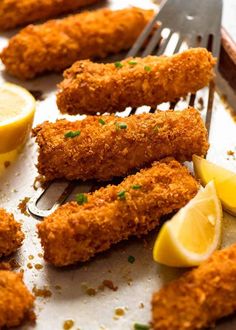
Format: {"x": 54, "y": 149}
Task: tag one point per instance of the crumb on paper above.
{"x": 29, "y": 265}
{"x": 38, "y": 266}
{"x": 40, "y": 255}
{"x": 22, "y": 206}
{"x": 230, "y": 153}
{"x": 119, "y": 311}
{"x": 42, "y": 293}
{"x": 108, "y": 284}
{"x": 68, "y": 324}
{"x": 141, "y": 305}
{"x": 31, "y": 257}
{"x": 91, "y": 292}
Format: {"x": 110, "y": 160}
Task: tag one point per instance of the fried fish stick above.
{"x": 14, "y": 13}
{"x": 16, "y": 302}
{"x": 103, "y": 147}
{"x": 55, "y": 45}
{"x": 75, "y": 233}
{"x": 200, "y": 297}
{"x": 11, "y": 236}
{"x": 90, "y": 87}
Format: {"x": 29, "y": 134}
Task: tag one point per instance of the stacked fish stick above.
{"x": 146, "y": 150}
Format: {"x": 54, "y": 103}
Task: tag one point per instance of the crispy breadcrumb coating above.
{"x": 76, "y": 233}
{"x": 200, "y": 297}
{"x": 11, "y": 236}
{"x": 14, "y": 13}
{"x": 57, "y": 44}
{"x": 16, "y": 302}
{"x": 109, "y": 146}
{"x": 95, "y": 87}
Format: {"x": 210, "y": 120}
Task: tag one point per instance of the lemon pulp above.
{"x": 224, "y": 179}
{"x": 17, "y": 108}
{"x": 192, "y": 235}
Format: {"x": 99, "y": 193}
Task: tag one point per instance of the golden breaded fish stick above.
{"x": 200, "y": 297}
{"x": 90, "y": 87}
{"x": 11, "y": 236}
{"x": 103, "y": 147}
{"x": 55, "y": 45}
{"x": 14, "y": 13}
{"x": 76, "y": 233}
{"x": 16, "y": 302}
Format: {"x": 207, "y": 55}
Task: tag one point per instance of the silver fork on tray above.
{"x": 182, "y": 24}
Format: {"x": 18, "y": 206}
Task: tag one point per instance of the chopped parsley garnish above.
{"x": 131, "y": 259}
{"x": 81, "y": 198}
{"x": 101, "y": 121}
{"x": 132, "y": 62}
{"x": 138, "y": 326}
{"x": 147, "y": 68}
{"x": 72, "y": 134}
{"x": 118, "y": 65}
{"x": 136, "y": 187}
{"x": 121, "y": 194}
{"x": 121, "y": 125}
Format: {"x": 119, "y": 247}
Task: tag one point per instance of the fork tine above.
{"x": 191, "y": 40}
{"x": 192, "y": 100}
{"x": 216, "y": 46}
{"x": 164, "y": 44}
{"x": 178, "y": 45}
{"x": 152, "y": 43}
{"x": 204, "y": 41}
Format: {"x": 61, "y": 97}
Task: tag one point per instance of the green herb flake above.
{"x": 72, "y": 134}
{"x": 121, "y": 195}
{"x": 138, "y": 326}
{"x": 131, "y": 259}
{"x": 132, "y": 62}
{"x": 81, "y": 198}
{"x": 121, "y": 125}
{"x": 118, "y": 65}
{"x": 147, "y": 68}
{"x": 136, "y": 187}
{"x": 101, "y": 121}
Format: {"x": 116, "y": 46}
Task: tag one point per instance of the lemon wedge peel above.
{"x": 169, "y": 249}
{"x": 225, "y": 181}
{"x": 19, "y": 106}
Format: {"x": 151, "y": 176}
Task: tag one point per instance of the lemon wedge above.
{"x": 17, "y": 108}
{"x": 193, "y": 233}
{"x": 225, "y": 181}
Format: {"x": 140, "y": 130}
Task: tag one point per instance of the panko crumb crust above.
{"x": 11, "y": 235}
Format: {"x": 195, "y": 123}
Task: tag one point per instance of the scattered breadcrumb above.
{"x": 42, "y": 292}
{"x": 22, "y": 206}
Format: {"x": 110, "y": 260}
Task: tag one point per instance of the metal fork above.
{"x": 195, "y": 23}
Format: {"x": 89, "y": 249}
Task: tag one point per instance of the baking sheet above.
{"x": 72, "y": 289}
